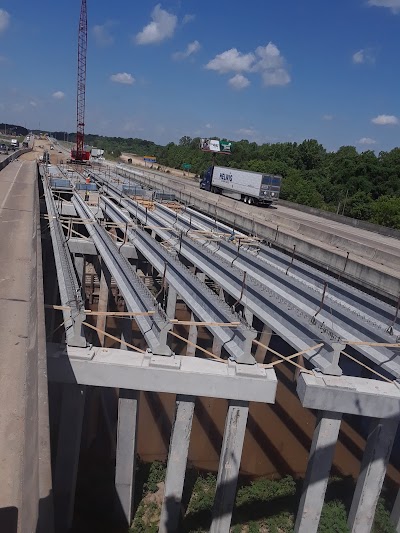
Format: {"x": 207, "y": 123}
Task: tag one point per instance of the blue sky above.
{"x": 263, "y": 70}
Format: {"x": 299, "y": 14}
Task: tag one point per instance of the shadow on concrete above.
{"x": 8, "y": 519}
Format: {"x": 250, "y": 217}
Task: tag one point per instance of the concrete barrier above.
{"x": 25, "y": 488}
{"x": 13, "y": 156}
{"x": 354, "y": 222}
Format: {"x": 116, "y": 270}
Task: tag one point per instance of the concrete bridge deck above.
{"x": 24, "y": 472}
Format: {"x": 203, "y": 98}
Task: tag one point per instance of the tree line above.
{"x": 363, "y": 185}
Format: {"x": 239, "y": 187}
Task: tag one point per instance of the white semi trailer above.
{"x": 250, "y": 187}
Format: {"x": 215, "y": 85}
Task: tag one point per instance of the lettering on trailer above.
{"x": 225, "y": 177}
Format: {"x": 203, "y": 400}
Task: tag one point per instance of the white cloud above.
{"x": 385, "y": 120}
{"x": 266, "y": 60}
{"x": 102, "y": 35}
{"x": 188, "y": 18}
{"x": 192, "y": 48}
{"x": 162, "y": 27}
{"x": 231, "y": 61}
{"x": 208, "y": 126}
{"x": 327, "y": 117}
{"x": 272, "y": 65}
{"x": 394, "y": 5}
{"x": 58, "y": 95}
{"x": 365, "y": 55}
{"x": 4, "y": 20}
{"x": 239, "y": 82}
{"x": 33, "y": 103}
{"x": 366, "y": 140}
{"x": 123, "y": 77}
{"x": 358, "y": 57}
{"x": 279, "y": 76}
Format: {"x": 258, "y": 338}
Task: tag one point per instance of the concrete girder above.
{"x": 78, "y": 245}
{"x": 350, "y": 319}
{"x": 70, "y": 290}
{"x": 137, "y": 297}
{"x": 297, "y": 333}
{"x": 203, "y": 302}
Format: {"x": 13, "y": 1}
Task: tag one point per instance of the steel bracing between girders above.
{"x": 202, "y": 301}
{"x": 382, "y": 356}
{"x": 348, "y": 322}
{"x": 137, "y": 297}
{"x": 369, "y": 311}
{"x": 69, "y": 288}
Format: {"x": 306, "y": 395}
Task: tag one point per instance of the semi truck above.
{"x": 14, "y": 144}
{"x": 250, "y": 187}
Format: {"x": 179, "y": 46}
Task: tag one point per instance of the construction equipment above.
{"x": 78, "y": 153}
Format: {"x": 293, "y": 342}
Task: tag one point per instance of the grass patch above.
{"x": 261, "y": 506}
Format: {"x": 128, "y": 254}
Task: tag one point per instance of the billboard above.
{"x": 214, "y": 145}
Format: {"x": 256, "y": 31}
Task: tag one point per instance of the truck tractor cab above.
{"x": 206, "y": 177}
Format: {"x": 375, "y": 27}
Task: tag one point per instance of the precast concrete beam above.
{"x": 70, "y": 290}
{"x": 318, "y": 468}
{"x": 106, "y": 367}
{"x": 229, "y": 465}
{"x": 202, "y": 301}
{"x": 372, "y": 474}
{"x": 82, "y": 246}
{"x": 271, "y": 311}
{"x": 137, "y": 297}
{"x": 347, "y": 394}
{"x": 294, "y": 294}
{"x": 176, "y": 466}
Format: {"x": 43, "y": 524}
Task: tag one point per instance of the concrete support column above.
{"x": 176, "y": 467}
{"x": 265, "y": 338}
{"x": 216, "y": 347}
{"x": 67, "y": 459}
{"x": 104, "y": 291}
{"x": 126, "y": 331}
{"x": 229, "y": 464}
{"x": 319, "y": 465}
{"x": 80, "y": 266}
{"x": 192, "y": 337}
{"x": 248, "y": 315}
{"x": 128, "y": 412}
{"x": 395, "y": 516}
{"x": 373, "y": 469}
{"x": 171, "y": 302}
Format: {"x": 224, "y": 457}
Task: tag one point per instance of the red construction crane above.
{"x": 79, "y": 154}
